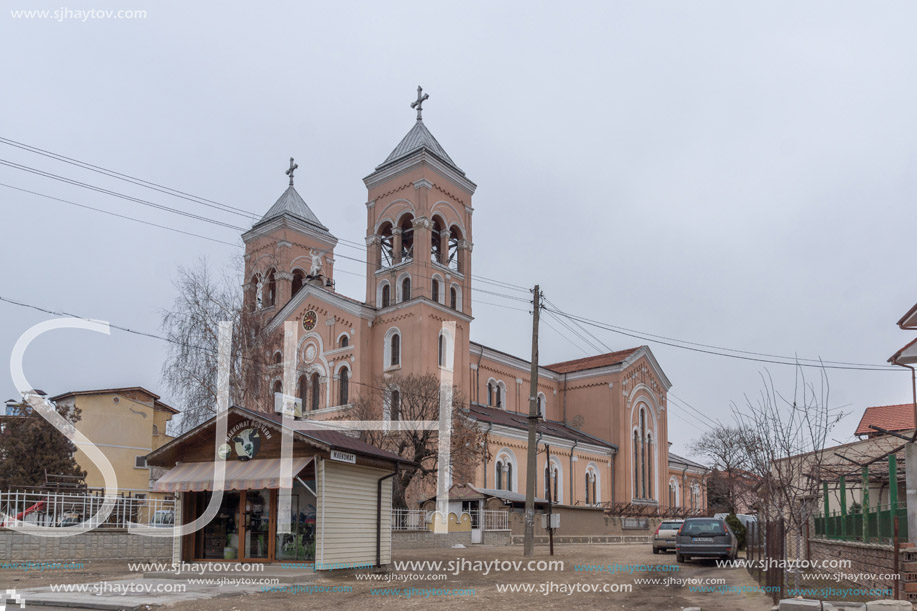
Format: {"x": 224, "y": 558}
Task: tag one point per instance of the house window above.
{"x": 435, "y": 290}
{"x": 140, "y": 462}
{"x": 386, "y": 295}
{"x": 345, "y": 383}
{"x": 155, "y": 430}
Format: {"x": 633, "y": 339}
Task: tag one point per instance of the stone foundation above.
{"x": 94, "y": 545}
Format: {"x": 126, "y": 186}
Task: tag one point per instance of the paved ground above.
{"x": 477, "y": 588}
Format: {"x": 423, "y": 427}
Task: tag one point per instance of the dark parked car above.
{"x": 705, "y": 538}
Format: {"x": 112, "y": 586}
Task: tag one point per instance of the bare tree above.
{"x": 785, "y": 439}
{"x": 417, "y": 397}
{"x": 192, "y": 328}
{"x": 725, "y": 447}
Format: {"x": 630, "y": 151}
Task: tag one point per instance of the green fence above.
{"x": 880, "y": 524}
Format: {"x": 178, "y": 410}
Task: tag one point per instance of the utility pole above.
{"x": 531, "y": 468}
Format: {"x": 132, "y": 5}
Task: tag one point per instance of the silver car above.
{"x": 664, "y": 538}
{"x": 705, "y": 538}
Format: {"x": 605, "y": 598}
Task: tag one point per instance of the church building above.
{"x": 604, "y": 417}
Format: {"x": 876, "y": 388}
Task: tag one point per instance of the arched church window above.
{"x": 499, "y": 395}
{"x": 303, "y": 391}
{"x": 386, "y": 295}
{"x": 344, "y": 342}
{"x": 345, "y": 386}
{"x": 453, "y": 298}
{"x": 270, "y": 289}
{"x": 316, "y": 390}
{"x": 490, "y": 394}
{"x": 649, "y": 467}
{"x": 436, "y": 250}
{"x": 499, "y": 469}
{"x": 406, "y": 289}
{"x": 441, "y": 350}
{"x": 435, "y": 291}
{"x": 278, "y": 358}
{"x": 299, "y": 278}
{"x": 643, "y": 494}
{"x": 509, "y": 476}
{"x": 396, "y": 350}
{"x": 636, "y": 464}
{"x": 386, "y": 246}
{"x": 407, "y": 237}
{"x": 256, "y": 290}
{"x": 395, "y": 409}
{"x": 277, "y": 388}
{"x": 455, "y": 237}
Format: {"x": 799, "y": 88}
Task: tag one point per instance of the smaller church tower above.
{"x": 285, "y": 250}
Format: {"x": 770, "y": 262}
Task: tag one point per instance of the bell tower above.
{"x": 418, "y": 247}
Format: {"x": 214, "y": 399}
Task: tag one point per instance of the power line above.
{"x": 128, "y": 178}
{"x": 123, "y": 216}
{"x": 793, "y": 361}
{"x": 129, "y": 198}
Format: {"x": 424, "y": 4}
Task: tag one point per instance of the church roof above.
{"x": 592, "y": 362}
{"x": 292, "y": 204}
{"x": 516, "y": 420}
{"x": 418, "y": 138}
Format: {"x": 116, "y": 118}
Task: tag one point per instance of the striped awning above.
{"x": 240, "y": 475}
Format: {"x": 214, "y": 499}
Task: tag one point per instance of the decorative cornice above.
{"x": 423, "y": 183}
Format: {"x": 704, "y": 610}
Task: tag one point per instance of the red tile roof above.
{"x": 592, "y": 362}
{"x": 889, "y": 417}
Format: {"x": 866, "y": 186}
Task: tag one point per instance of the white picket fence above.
{"x": 69, "y": 509}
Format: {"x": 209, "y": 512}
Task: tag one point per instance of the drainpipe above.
{"x": 572, "y": 479}
{"x": 379, "y": 514}
{"x": 565, "y": 399}
{"x": 477, "y": 380}
{"x": 490, "y": 425}
{"x": 894, "y": 361}
{"x": 614, "y": 455}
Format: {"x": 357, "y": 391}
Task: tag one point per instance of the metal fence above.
{"x": 409, "y": 519}
{"x": 875, "y": 525}
{"x": 765, "y": 551}
{"x": 419, "y": 519}
{"x": 70, "y": 509}
{"x": 495, "y": 519}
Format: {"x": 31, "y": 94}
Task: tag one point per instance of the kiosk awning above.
{"x": 240, "y": 475}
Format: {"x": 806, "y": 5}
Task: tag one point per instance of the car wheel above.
{"x": 655, "y": 550}
{"x": 679, "y": 557}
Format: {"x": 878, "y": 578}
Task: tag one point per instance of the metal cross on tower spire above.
{"x": 292, "y": 169}
{"x": 418, "y": 103}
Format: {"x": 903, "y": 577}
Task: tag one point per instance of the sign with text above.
{"x": 343, "y": 457}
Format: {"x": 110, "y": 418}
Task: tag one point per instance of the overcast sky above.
{"x": 739, "y": 174}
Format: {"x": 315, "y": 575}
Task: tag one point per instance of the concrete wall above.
{"x": 588, "y": 522}
{"x": 423, "y": 539}
{"x": 95, "y": 545}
